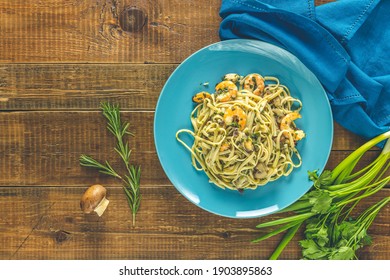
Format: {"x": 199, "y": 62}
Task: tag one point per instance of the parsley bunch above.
{"x": 330, "y": 231}
{"x": 328, "y": 238}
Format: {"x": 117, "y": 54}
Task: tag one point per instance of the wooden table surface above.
{"x": 58, "y": 60}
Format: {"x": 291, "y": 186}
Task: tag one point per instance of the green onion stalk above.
{"x": 334, "y": 195}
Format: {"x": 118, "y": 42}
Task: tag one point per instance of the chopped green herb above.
{"x": 330, "y": 231}
{"x": 234, "y": 124}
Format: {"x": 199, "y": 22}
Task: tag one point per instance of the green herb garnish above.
{"x": 255, "y": 136}
{"x": 328, "y": 238}
{"x": 131, "y": 180}
{"x": 330, "y": 231}
{"x": 234, "y": 124}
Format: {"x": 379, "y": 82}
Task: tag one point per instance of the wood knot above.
{"x": 226, "y": 234}
{"x": 132, "y": 19}
{"x": 62, "y": 236}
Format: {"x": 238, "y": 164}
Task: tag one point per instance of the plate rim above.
{"x": 258, "y": 42}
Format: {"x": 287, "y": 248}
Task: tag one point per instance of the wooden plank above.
{"x": 42, "y": 148}
{"x": 91, "y": 31}
{"x": 46, "y": 223}
{"x": 81, "y": 86}
{"x": 40, "y": 178}
{"x": 76, "y": 31}
{"x": 29, "y": 87}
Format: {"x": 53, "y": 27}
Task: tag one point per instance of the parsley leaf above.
{"x": 342, "y": 253}
{"x": 311, "y": 251}
{"x": 325, "y": 179}
{"x": 320, "y": 200}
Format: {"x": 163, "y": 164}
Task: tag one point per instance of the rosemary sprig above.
{"x": 132, "y": 189}
{"x": 131, "y": 182}
{"x": 106, "y": 168}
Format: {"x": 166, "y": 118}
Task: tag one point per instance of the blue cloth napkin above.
{"x": 346, "y": 44}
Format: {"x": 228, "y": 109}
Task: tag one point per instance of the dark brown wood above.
{"x": 132, "y": 19}
{"x": 43, "y": 148}
{"x": 81, "y": 86}
{"x": 90, "y": 31}
{"x": 58, "y": 60}
{"x": 47, "y": 223}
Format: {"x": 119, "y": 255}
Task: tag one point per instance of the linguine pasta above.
{"x": 244, "y": 133}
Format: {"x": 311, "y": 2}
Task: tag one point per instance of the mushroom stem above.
{"x": 102, "y": 206}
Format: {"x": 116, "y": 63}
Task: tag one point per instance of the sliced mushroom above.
{"x": 94, "y": 199}
{"x": 241, "y": 181}
{"x": 248, "y": 145}
{"x": 277, "y": 101}
{"x": 260, "y": 172}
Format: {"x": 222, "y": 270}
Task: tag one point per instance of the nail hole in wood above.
{"x": 132, "y": 19}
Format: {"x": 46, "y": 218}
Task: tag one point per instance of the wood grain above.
{"x": 46, "y": 223}
{"x": 90, "y": 31}
{"x": 43, "y": 148}
{"x": 77, "y": 31}
{"x": 81, "y": 86}
{"x": 58, "y": 60}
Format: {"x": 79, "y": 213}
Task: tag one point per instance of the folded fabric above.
{"x": 345, "y": 44}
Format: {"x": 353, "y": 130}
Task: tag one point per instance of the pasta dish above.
{"x": 244, "y": 132}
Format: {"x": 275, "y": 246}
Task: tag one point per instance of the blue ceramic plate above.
{"x": 208, "y": 65}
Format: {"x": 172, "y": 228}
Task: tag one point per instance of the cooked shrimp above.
{"x": 299, "y": 134}
{"x": 225, "y": 146}
{"x": 285, "y": 124}
{"x": 200, "y": 96}
{"x": 226, "y": 90}
{"x": 233, "y": 77}
{"x": 288, "y": 119}
{"x": 235, "y": 114}
{"x": 254, "y": 83}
